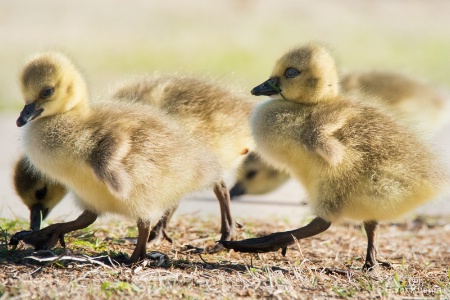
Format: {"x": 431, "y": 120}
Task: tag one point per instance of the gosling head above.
{"x": 36, "y": 192}
{"x": 256, "y": 177}
{"x": 305, "y": 75}
{"x": 50, "y": 85}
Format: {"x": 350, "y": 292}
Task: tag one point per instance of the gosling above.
{"x": 255, "y": 177}
{"x": 38, "y": 193}
{"x": 421, "y": 106}
{"x": 355, "y": 162}
{"x": 213, "y": 114}
{"x": 119, "y": 158}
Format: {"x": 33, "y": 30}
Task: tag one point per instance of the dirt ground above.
{"x": 239, "y": 42}
{"x": 327, "y": 266}
{"x": 87, "y": 269}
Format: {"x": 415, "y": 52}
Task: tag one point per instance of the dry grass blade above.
{"x": 327, "y": 266}
{"x": 74, "y": 258}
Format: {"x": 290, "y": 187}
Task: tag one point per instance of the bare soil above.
{"x": 327, "y": 266}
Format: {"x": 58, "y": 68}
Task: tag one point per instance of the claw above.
{"x": 61, "y": 241}
{"x": 369, "y": 266}
{"x": 193, "y": 249}
{"x": 385, "y": 264}
{"x": 216, "y": 249}
{"x": 18, "y": 236}
{"x": 238, "y": 225}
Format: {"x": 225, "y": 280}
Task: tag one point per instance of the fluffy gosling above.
{"x": 38, "y": 193}
{"x": 255, "y": 177}
{"x": 213, "y": 114}
{"x": 120, "y": 158}
{"x": 355, "y": 162}
{"x": 419, "y": 105}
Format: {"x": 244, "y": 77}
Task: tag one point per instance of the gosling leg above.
{"x": 371, "y": 256}
{"x": 159, "y": 231}
{"x": 140, "y": 252}
{"x": 278, "y": 240}
{"x": 227, "y": 226}
{"x": 223, "y": 196}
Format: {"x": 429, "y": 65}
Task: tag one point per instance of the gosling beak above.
{"x": 37, "y": 214}
{"x": 237, "y": 190}
{"x": 267, "y": 88}
{"x": 28, "y": 113}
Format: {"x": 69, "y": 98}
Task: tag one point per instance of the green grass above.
{"x": 238, "y": 41}
{"x": 6, "y": 227}
{"x": 416, "y": 271}
{"x": 119, "y": 288}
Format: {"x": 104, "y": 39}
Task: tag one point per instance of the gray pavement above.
{"x": 283, "y": 203}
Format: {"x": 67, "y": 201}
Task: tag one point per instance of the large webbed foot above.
{"x": 268, "y": 243}
{"x": 44, "y": 239}
{"x": 48, "y": 237}
{"x": 278, "y": 240}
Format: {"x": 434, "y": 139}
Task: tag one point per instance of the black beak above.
{"x": 37, "y": 214}
{"x": 267, "y": 88}
{"x": 237, "y": 190}
{"x": 28, "y": 113}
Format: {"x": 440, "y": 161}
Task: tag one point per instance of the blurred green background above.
{"x": 236, "y": 40}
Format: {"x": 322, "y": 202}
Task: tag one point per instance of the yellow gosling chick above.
{"x": 119, "y": 158}
{"x": 213, "y": 114}
{"x": 355, "y": 162}
{"x": 419, "y": 105}
{"x": 255, "y": 177}
{"x": 37, "y": 192}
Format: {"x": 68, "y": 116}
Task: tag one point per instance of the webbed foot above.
{"x": 278, "y": 240}
{"x": 44, "y": 239}
{"x": 268, "y": 243}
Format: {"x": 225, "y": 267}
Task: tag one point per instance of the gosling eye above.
{"x": 291, "y": 73}
{"x": 40, "y": 194}
{"x": 47, "y": 92}
{"x": 251, "y": 174}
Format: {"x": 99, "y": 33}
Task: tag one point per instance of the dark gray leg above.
{"x": 371, "y": 256}
{"x": 159, "y": 231}
{"x": 140, "y": 252}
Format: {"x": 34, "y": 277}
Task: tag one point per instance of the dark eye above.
{"x": 291, "y": 73}
{"x": 47, "y": 92}
{"x": 40, "y": 194}
{"x": 250, "y": 174}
